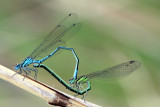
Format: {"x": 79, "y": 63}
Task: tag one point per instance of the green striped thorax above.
{"x": 79, "y": 80}
{"x": 78, "y": 86}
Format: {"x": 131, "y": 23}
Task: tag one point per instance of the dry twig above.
{"x": 53, "y": 96}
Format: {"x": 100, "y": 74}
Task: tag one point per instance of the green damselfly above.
{"x": 115, "y": 72}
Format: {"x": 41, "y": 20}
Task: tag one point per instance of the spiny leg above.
{"x": 76, "y": 86}
{"x": 35, "y": 70}
{"x": 25, "y": 70}
{"x": 83, "y": 94}
{"x": 86, "y": 91}
{"x": 83, "y": 89}
{"x": 20, "y": 71}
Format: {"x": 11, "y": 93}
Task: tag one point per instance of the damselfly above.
{"x": 115, "y": 72}
{"x": 54, "y": 42}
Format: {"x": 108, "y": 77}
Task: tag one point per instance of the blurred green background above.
{"x": 113, "y": 32}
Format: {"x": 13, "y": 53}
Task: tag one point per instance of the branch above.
{"x": 53, "y": 96}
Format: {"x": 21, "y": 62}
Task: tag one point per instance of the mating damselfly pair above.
{"x": 55, "y": 42}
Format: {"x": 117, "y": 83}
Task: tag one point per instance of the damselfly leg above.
{"x": 20, "y": 71}
{"x": 31, "y": 69}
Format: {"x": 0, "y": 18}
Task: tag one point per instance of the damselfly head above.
{"x": 17, "y": 66}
